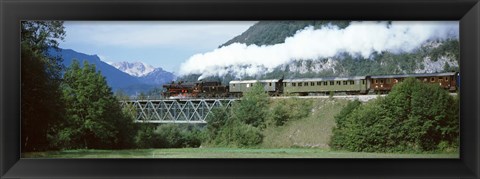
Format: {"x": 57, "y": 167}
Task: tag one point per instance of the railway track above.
{"x": 363, "y": 98}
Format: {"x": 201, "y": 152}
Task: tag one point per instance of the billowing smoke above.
{"x": 358, "y": 39}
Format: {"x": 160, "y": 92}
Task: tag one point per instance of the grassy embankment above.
{"x": 314, "y": 130}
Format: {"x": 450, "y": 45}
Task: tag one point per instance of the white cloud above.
{"x": 360, "y": 38}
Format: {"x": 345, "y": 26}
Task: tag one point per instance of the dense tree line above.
{"x": 415, "y": 116}
{"x": 41, "y": 105}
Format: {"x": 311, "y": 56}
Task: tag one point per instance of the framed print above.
{"x": 239, "y": 89}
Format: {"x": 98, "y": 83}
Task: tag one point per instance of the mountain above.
{"x": 137, "y": 69}
{"x": 117, "y": 79}
{"x": 274, "y": 32}
{"x": 432, "y": 56}
{"x": 145, "y": 73}
{"x": 157, "y": 77}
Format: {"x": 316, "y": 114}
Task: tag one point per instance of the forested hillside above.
{"x": 274, "y": 32}
{"x": 432, "y": 56}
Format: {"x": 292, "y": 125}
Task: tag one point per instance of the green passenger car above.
{"x": 270, "y": 86}
{"x": 306, "y": 86}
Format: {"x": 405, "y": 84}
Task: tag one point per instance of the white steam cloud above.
{"x": 359, "y": 38}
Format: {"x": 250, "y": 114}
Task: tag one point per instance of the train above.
{"x": 200, "y": 89}
{"x": 356, "y": 85}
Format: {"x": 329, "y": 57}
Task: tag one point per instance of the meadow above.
{"x": 228, "y": 153}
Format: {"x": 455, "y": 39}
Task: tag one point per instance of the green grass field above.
{"x": 227, "y": 153}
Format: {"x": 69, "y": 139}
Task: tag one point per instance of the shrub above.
{"x": 252, "y": 108}
{"x": 146, "y": 137}
{"x": 176, "y": 136}
{"x": 215, "y": 121}
{"x": 414, "y": 116}
{"x": 288, "y": 110}
{"x": 339, "y": 137}
{"x": 279, "y": 114}
{"x": 238, "y": 134}
{"x": 168, "y": 136}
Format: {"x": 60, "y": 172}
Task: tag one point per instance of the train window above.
{"x": 248, "y": 85}
{"x": 432, "y": 79}
{"x": 284, "y": 84}
{"x": 319, "y": 83}
{"x": 269, "y": 84}
{"x": 363, "y": 82}
{"x": 233, "y": 85}
{"x": 381, "y": 81}
{"x": 251, "y": 84}
{"x": 299, "y": 84}
{"x": 389, "y": 81}
{"x": 344, "y": 82}
{"x": 376, "y": 81}
{"x": 352, "y": 82}
{"x": 294, "y": 84}
{"x": 312, "y": 83}
{"x": 332, "y": 83}
{"x": 325, "y": 83}
{"x": 306, "y": 83}
{"x": 338, "y": 83}
{"x": 446, "y": 78}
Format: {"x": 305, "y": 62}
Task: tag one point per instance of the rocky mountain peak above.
{"x": 137, "y": 69}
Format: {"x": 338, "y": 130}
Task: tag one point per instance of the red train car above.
{"x": 384, "y": 83}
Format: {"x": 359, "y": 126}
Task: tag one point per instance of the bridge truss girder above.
{"x": 175, "y": 111}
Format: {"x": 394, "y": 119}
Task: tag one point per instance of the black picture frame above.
{"x": 13, "y": 11}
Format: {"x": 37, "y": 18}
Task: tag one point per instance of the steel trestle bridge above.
{"x": 175, "y": 111}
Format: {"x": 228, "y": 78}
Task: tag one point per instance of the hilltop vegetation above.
{"x": 274, "y": 32}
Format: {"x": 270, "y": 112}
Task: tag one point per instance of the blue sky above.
{"x": 164, "y": 44}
